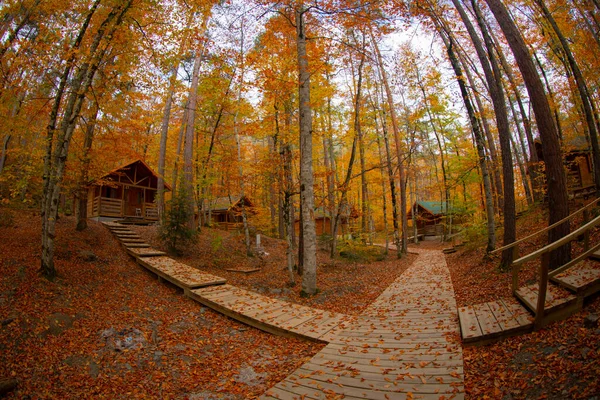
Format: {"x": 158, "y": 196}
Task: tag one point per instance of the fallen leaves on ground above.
{"x": 344, "y": 286}
{"x": 107, "y": 328}
{"x": 561, "y": 361}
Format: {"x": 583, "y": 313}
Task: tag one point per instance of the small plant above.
{"x": 216, "y": 242}
{"x": 6, "y": 218}
{"x": 175, "y": 230}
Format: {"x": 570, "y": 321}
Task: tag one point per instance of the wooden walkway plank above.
{"x": 180, "y": 274}
{"x": 367, "y": 354}
{"x": 145, "y": 252}
{"x": 486, "y": 319}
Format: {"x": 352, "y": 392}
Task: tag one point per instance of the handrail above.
{"x": 554, "y": 245}
{"x": 546, "y": 229}
{"x": 575, "y": 261}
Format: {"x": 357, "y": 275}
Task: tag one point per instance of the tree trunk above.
{"x": 582, "y": 90}
{"x": 160, "y": 191}
{"x": 555, "y": 177}
{"x": 493, "y": 78}
{"x": 188, "y": 147}
{"x": 84, "y": 177}
{"x": 55, "y": 161}
{"x": 479, "y": 142}
{"x": 309, "y": 278}
{"x": 4, "y": 152}
{"x": 399, "y": 153}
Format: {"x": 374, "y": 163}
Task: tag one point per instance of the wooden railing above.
{"x": 585, "y": 210}
{"x": 111, "y": 207}
{"x": 544, "y": 254}
{"x": 151, "y": 211}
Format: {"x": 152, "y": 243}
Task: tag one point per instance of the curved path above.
{"x": 405, "y": 345}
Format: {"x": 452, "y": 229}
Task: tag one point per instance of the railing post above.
{"x": 543, "y": 286}
{"x": 586, "y": 235}
{"x": 515, "y": 270}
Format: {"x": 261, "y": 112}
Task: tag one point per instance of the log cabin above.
{"x": 226, "y": 212}
{"x": 127, "y": 191}
{"x": 430, "y": 217}
{"x": 578, "y": 166}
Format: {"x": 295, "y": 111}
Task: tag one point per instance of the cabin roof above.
{"x": 434, "y": 207}
{"x": 129, "y": 165}
{"x": 227, "y": 202}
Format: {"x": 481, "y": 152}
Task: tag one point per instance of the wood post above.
{"x": 586, "y": 235}
{"x": 543, "y": 286}
{"x": 515, "y": 270}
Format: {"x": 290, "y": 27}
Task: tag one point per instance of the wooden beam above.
{"x": 553, "y": 246}
{"x": 508, "y": 246}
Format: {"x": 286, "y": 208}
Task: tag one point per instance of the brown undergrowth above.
{"x": 343, "y": 286}
{"x": 106, "y": 328}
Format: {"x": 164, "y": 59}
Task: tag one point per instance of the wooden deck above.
{"x": 500, "y": 318}
{"x": 144, "y": 252}
{"x": 556, "y": 298}
{"x": 269, "y": 314}
{"x": 405, "y": 345}
{"x": 583, "y": 279}
{"x": 182, "y": 275}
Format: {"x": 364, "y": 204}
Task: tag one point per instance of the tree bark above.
{"x": 309, "y": 278}
{"x": 555, "y": 177}
{"x": 84, "y": 175}
{"x": 162, "y": 153}
{"x": 493, "y": 78}
{"x": 188, "y": 147}
{"x": 403, "y": 248}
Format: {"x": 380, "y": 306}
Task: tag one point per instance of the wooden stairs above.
{"x": 565, "y": 289}
{"x": 508, "y": 317}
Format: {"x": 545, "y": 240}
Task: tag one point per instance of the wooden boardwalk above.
{"x": 406, "y": 345}
{"x": 269, "y": 314}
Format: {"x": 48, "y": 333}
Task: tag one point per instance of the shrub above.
{"x": 175, "y": 230}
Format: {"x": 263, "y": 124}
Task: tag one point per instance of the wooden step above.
{"x": 582, "y": 279}
{"x": 557, "y": 299}
{"x": 493, "y": 320}
{"x": 596, "y": 256}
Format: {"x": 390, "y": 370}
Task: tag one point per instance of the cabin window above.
{"x": 110, "y": 192}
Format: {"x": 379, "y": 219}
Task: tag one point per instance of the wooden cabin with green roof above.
{"x": 429, "y": 216}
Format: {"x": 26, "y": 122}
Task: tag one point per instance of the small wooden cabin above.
{"x": 128, "y": 191}
{"x": 226, "y": 212}
{"x": 578, "y": 165}
{"x": 323, "y": 221}
{"x": 430, "y": 216}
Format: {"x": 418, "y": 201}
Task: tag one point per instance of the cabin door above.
{"x": 134, "y": 200}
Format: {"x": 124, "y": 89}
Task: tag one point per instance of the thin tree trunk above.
{"x": 399, "y": 153}
{"x": 188, "y": 147}
{"x": 84, "y": 176}
{"x": 493, "y": 77}
{"x": 4, "y": 151}
{"x": 479, "y": 142}
{"x": 582, "y": 91}
{"x": 555, "y": 177}
{"x": 160, "y": 191}
{"x": 309, "y": 278}
{"x": 55, "y": 162}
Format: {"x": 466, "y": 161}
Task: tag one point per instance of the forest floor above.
{"x": 561, "y": 361}
{"x": 106, "y": 328}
